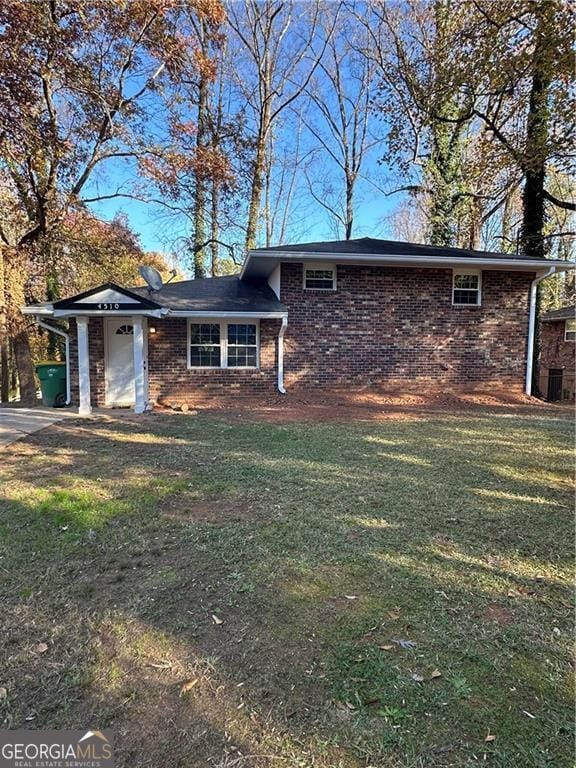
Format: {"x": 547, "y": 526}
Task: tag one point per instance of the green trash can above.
{"x": 52, "y": 377}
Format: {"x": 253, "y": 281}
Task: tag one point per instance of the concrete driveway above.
{"x": 19, "y": 422}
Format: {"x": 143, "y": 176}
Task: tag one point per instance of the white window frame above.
{"x": 324, "y": 268}
{"x": 223, "y": 343}
{"x": 566, "y": 331}
{"x": 478, "y": 274}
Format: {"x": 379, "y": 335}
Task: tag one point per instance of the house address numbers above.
{"x": 108, "y": 306}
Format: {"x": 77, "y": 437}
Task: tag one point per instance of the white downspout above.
{"x": 281, "y": 333}
{"x": 532, "y": 327}
{"x": 66, "y": 338}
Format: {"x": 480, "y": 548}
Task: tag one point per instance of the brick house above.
{"x": 558, "y": 354}
{"x": 314, "y": 315}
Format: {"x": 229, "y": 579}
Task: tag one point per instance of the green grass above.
{"x": 319, "y": 547}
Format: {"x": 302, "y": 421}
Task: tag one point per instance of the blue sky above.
{"x": 308, "y": 219}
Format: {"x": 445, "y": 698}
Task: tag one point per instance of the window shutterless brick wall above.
{"x": 170, "y": 378}
{"x": 391, "y": 325}
{"x": 556, "y": 353}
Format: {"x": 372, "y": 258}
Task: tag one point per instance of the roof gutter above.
{"x": 235, "y": 313}
{"x": 406, "y": 259}
{"x": 532, "y": 327}
{"x": 66, "y": 338}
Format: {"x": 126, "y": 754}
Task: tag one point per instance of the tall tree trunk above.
{"x": 4, "y": 367}
{"x": 533, "y": 203}
{"x": 214, "y": 229}
{"x": 256, "y": 193}
{"x": 17, "y": 324}
{"x": 23, "y": 358}
{"x": 349, "y": 206}
{"x": 200, "y": 191}
{"x": 4, "y": 343}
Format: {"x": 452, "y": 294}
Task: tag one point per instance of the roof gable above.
{"x": 107, "y": 296}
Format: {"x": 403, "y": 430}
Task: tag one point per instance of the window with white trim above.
{"x": 222, "y": 344}
{"x": 570, "y": 330}
{"x": 466, "y": 287}
{"x": 205, "y": 346}
{"x": 320, "y": 277}
{"x": 242, "y": 345}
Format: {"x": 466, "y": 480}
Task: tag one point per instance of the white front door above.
{"x": 119, "y": 361}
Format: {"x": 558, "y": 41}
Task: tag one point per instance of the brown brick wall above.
{"x": 556, "y": 353}
{"x": 389, "y": 325}
{"x": 383, "y": 325}
{"x": 170, "y": 378}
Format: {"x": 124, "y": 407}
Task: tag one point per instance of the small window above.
{"x": 570, "y": 330}
{"x": 125, "y": 330}
{"x": 242, "y": 347}
{"x": 466, "y": 289}
{"x": 205, "y": 345}
{"x": 320, "y": 278}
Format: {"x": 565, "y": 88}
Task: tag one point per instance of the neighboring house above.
{"x": 557, "y": 354}
{"x": 314, "y": 315}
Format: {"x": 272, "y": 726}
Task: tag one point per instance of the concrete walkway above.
{"x": 19, "y": 422}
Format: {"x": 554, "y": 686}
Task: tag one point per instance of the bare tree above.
{"x": 340, "y": 95}
{"x": 278, "y": 40}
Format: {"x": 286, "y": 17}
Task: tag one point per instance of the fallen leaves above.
{"x": 165, "y": 664}
{"x": 217, "y": 620}
{"x": 188, "y": 686}
{"x": 436, "y": 674}
{"x": 386, "y": 647}
{"x": 3, "y": 693}
{"x": 490, "y": 737}
{"x": 406, "y": 644}
{"x": 40, "y": 648}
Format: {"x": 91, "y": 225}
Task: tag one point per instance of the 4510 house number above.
{"x": 108, "y": 306}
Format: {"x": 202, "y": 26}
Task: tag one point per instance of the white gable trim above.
{"x": 108, "y": 296}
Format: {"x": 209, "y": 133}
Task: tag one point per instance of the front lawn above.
{"x": 232, "y": 594}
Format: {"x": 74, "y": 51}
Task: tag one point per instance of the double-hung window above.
{"x": 242, "y": 345}
{"x": 320, "y": 277}
{"x": 570, "y": 330}
{"x": 205, "y": 345}
{"x": 466, "y": 286}
{"x": 222, "y": 344}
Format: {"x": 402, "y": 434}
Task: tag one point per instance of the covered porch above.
{"x": 123, "y": 330}
{"x": 128, "y": 350}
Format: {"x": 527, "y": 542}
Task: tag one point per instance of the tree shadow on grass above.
{"x": 339, "y": 552}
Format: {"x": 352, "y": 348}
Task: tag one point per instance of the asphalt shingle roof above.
{"x": 566, "y": 313}
{"x": 215, "y": 294}
{"x": 375, "y": 247}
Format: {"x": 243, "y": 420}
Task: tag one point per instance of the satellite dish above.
{"x": 152, "y": 277}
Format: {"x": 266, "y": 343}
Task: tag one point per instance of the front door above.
{"x": 119, "y": 361}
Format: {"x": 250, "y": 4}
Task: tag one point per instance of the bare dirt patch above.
{"x": 362, "y": 404}
{"x": 499, "y": 614}
{"x": 186, "y": 508}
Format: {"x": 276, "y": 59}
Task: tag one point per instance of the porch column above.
{"x": 85, "y": 408}
{"x": 139, "y": 400}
